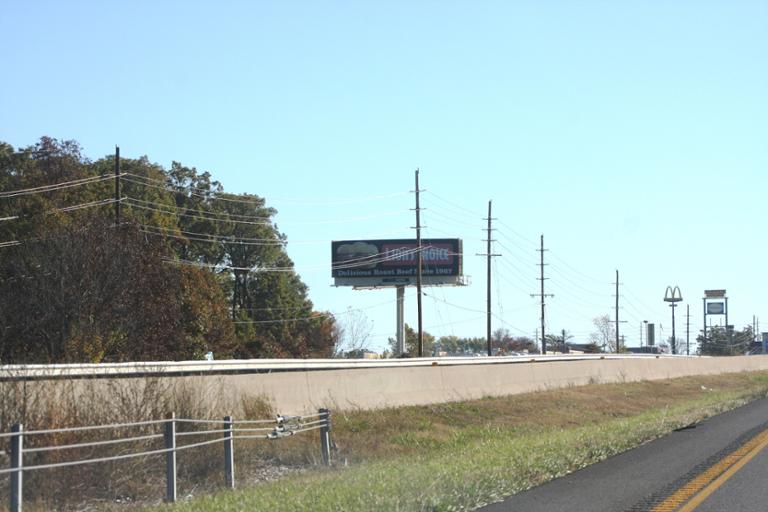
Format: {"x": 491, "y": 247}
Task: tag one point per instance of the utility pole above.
{"x": 543, "y": 296}
{"x": 617, "y": 321}
{"x": 618, "y": 343}
{"x": 687, "y": 329}
{"x": 117, "y": 186}
{"x": 488, "y": 256}
{"x": 418, "y": 268}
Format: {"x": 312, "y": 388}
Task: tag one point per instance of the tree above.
{"x": 412, "y": 343}
{"x": 592, "y": 348}
{"x": 725, "y": 342}
{"x": 354, "y": 334}
{"x": 190, "y": 268}
{"x": 557, "y": 343}
{"x": 605, "y": 336}
{"x": 92, "y": 294}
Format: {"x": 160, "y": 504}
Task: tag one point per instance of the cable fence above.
{"x": 166, "y": 438}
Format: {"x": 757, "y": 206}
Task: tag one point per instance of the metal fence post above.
{"x": 170, "y": 458}
{"x": 325, "y": 436}
{"x": 17, "y": 462}
{"x": 229, "y": 452}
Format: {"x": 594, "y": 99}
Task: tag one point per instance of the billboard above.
{"x": 715, "y": 308}
{"x": 395, "y": 262}
{"x": 714, "y": 294}
{"x": 650, "y": 334}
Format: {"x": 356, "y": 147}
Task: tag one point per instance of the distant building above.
{"x": 643, "y": 350}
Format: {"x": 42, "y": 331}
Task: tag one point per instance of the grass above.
{"x": 459, "y": 456}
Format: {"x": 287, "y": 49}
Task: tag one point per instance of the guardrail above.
{"x": 46, "y": 371}
{"x": 228, "y": 429}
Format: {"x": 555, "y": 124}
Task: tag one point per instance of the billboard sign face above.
{"x": 651, "y": 334}
{"x": 395, "y": 262}
{"x": 714, "y": 294}
{"x": 715, "y": 308}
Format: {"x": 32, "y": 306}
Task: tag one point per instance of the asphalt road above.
{"x": 745, "y": 491}
{"x": 644, "y": 478}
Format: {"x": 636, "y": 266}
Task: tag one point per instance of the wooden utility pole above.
{"x": 117, "y": 186}
{"x": 489, "y": 255}
{"x": 543, "y": 296}
{"x": 418, "y": 268}
{"x": 687, "y": 329}
{"x": 618, "y": 342}
{"x": 488, "y": 283}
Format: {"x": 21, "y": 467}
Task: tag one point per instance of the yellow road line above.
{"x": 693, "y": 493}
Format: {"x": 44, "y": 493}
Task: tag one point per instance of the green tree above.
{"x": 726, "y": 342}
{"x": 187, "y": 265}
{"x": 412, "y": 343}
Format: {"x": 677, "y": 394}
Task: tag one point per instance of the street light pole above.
{"x": 674, "y": 340}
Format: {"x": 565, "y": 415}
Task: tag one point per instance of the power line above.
{"x": 134, "y": 203}
{"x": 187, "y": 236}
{"x": 63, "y": 209}
{"x": 578, "y": 272}
{"x": 517, "y": 234}
{"x": 54, "y": 187}
{"x": 167, "y": 210}
{"x": 357, "y": 262}
{"x": 279, "y": 199}
{"x": 314, "y": 316}
{"x": 258, "y": 203}
{"x": 228, "y": 216}
{"x": 454, "y": 205}
{"x": 574, "y": 283}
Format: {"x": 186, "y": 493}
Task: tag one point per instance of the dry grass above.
{"x": 66, "y": 403}
{"x": 364, "y": 436}
{"x": 394, "y": 435}
{"x": 459, "y": 456}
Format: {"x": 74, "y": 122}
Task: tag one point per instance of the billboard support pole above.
{"x": 400, "y": 321}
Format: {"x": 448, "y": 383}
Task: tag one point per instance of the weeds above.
{"x": 451, "y": 456}
{"x": 66, "y": 403}
{"x": 458, "y": 456}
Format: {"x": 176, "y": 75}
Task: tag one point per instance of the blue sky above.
{"x": 631, "y": 134}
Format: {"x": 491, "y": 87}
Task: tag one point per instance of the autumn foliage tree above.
{"x": 189, "y": 269}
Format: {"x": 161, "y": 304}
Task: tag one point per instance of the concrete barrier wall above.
{"x": 301, "y": 392}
